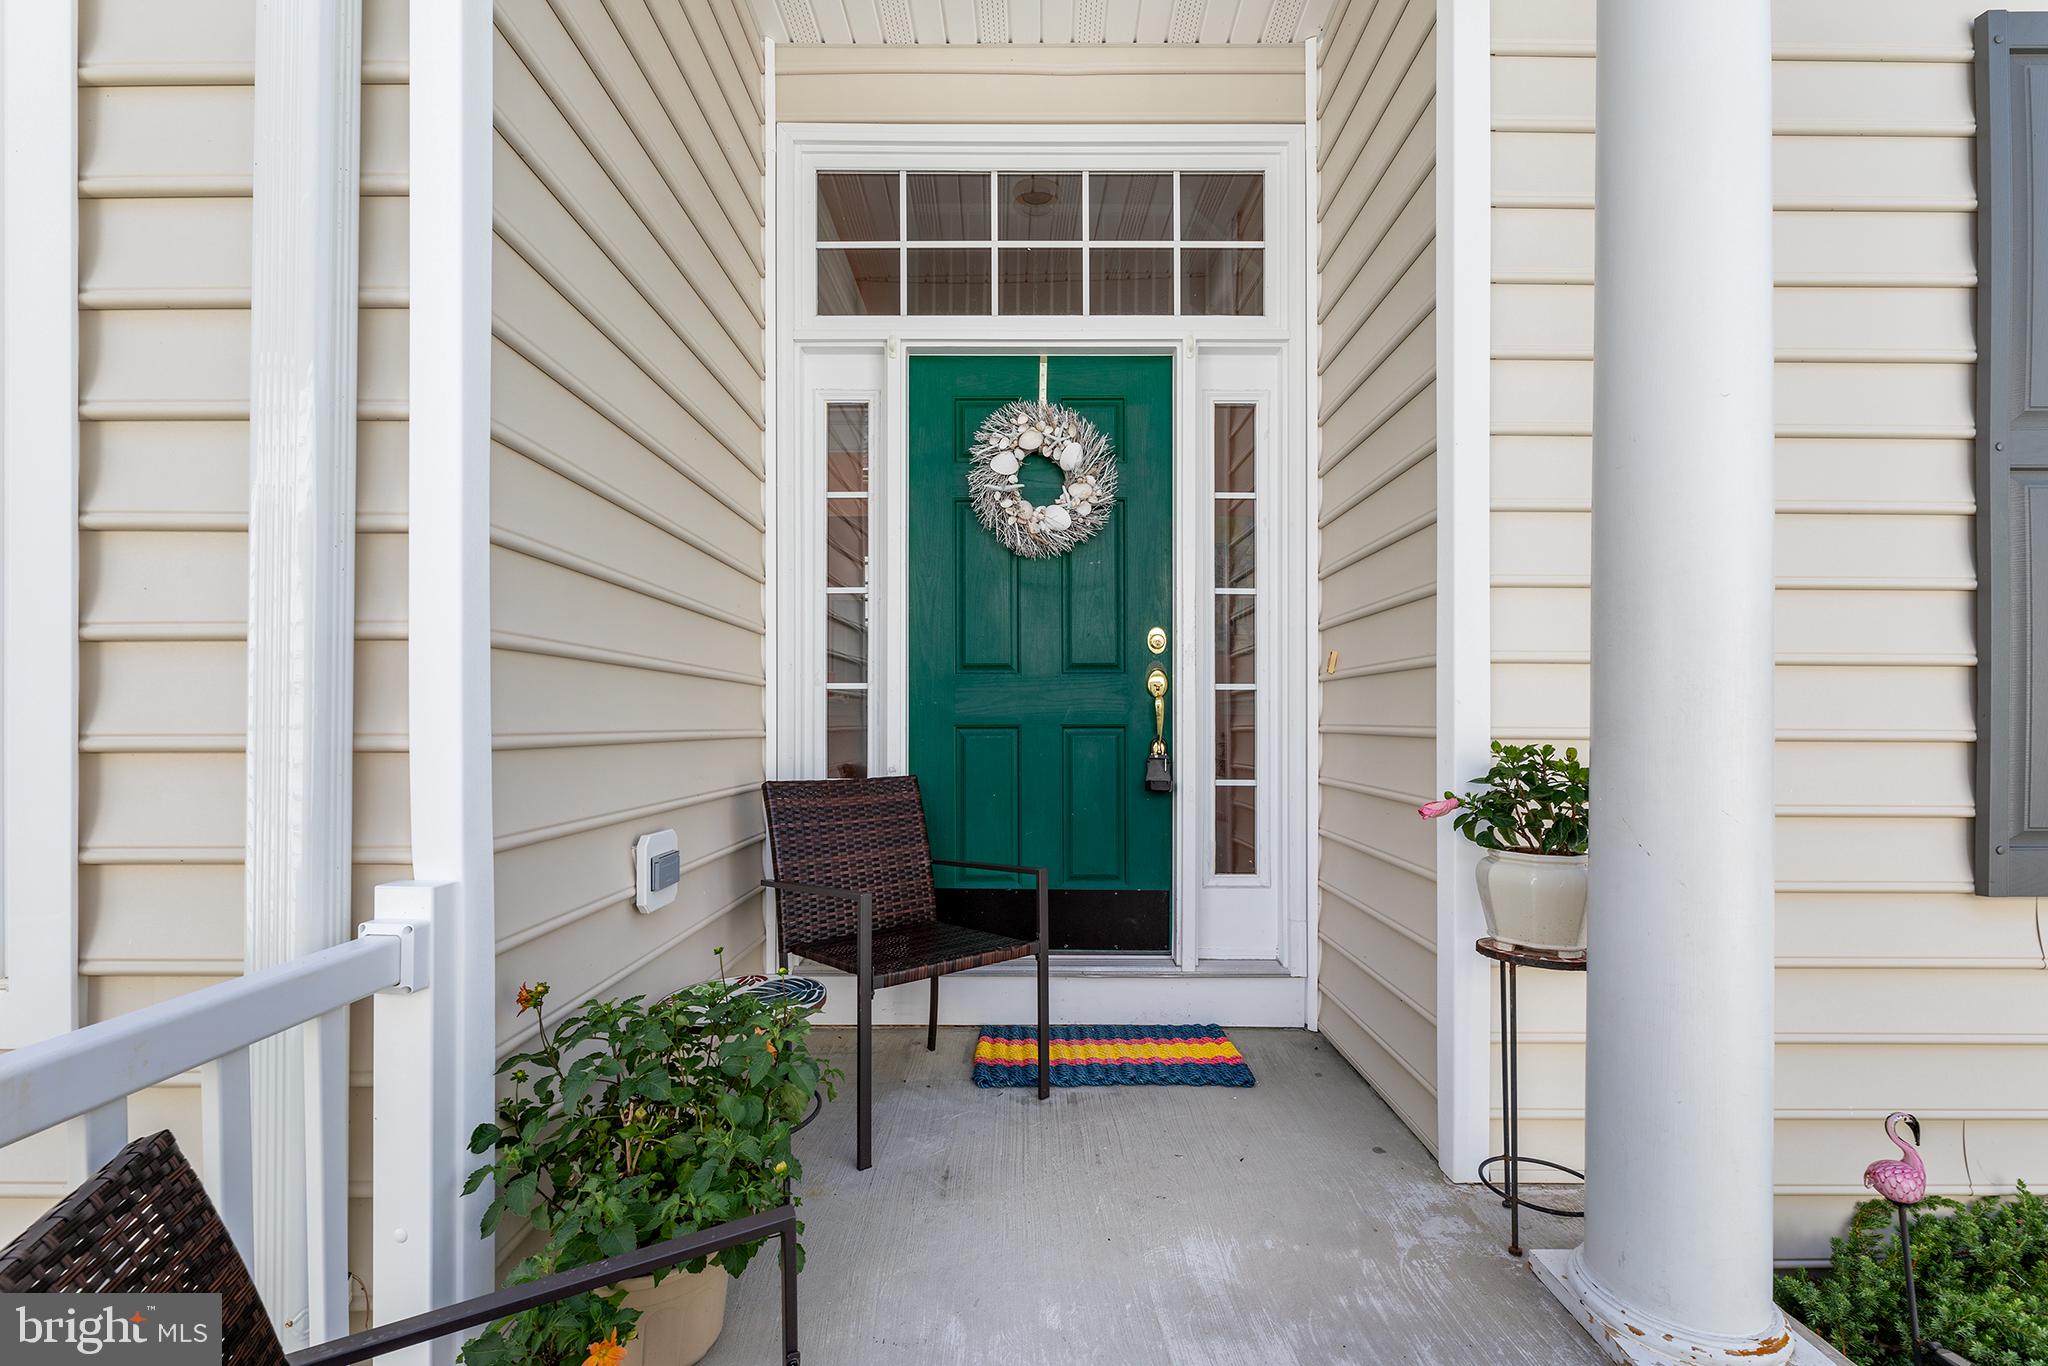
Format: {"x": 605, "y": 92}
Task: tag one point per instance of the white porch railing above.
{"x": 90, "y": 1073}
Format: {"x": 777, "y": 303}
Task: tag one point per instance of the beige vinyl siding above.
{"x": 1896, "y": 986}
{"x": 937, "y": 83}
{"x": 1377, "y": 258}
{"x": 166, "y": 102}
{"x": 627, "y": 562}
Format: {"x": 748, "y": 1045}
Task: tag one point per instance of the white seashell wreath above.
{"x": 1014, "y": 433}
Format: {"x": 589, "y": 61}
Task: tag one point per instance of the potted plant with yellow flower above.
{"x": 629, "y": 1124}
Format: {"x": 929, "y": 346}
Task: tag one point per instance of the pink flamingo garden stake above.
{"x": 1903, "y": 1181}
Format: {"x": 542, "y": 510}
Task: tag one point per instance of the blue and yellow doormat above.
{"x": 1111, "y": 1055}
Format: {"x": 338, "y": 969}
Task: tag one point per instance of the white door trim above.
{"x": 1464, "y": 421}
{"x": 39, "y": 669}
{"x": 879, "y": 349}
{"x": 1310, "y": 690}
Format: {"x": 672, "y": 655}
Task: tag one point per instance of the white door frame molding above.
{"x": 1311, "y": 689}
{"x": 1464, "y": 426}
{"x": 301, "y": 666}
{"x": 449, "y": 619}
{"x": 1217, "y": 359}
{"x": 39, "y": 670}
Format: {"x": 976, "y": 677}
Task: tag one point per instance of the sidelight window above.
{"x": 846, "y": 589}
{"x": 1236, "y": 684}
{"x": 1032, "y": 243}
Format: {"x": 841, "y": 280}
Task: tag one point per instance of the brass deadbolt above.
{"x": 1155, "y": 640}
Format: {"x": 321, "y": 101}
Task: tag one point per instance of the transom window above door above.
{"x": 1041, "y": 243}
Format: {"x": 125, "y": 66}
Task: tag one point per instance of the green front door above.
{"x": 1029, "y": 720}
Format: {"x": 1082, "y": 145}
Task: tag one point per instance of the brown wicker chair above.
{"x": 853, "y": 885}
{"x": 144, "y": 1225}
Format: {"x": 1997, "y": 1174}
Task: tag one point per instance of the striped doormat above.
{"x": 1111, "y": 1055}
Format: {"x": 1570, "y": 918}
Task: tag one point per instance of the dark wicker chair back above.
{"x": 863, "y": 833}
{"x": 144, "y": 1224}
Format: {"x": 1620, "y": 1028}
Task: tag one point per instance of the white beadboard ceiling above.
{"x": 1040, "y": 21}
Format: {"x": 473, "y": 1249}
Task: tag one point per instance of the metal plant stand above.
{"x": 1511, "y": 957}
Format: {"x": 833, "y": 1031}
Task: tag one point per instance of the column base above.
{"x": 1638, "y": 1340}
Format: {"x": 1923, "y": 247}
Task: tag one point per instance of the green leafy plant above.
{"x": 633, "y": 1123}
{"x": 1532, "y": 801}
{"x": 1981, "y": 1269}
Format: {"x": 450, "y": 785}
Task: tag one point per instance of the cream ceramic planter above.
{"x": 679, "y": 1319}
{"x": 1535, "y": 900}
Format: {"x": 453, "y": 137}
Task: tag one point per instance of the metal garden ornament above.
{"x": 1013, "y": 434}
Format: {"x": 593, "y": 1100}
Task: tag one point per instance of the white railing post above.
{"x": 104, "y": 1132}
{"x": 326, "y": 1052}
{"x": 228, "y": 1168}
{"x": 419, "y": 1159}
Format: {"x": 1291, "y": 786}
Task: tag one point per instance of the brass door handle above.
{"x": 1158, "y": 768}
{"x": 1155, "y": 683}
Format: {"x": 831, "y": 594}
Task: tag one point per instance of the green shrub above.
{"x": 1982, "y": 1273}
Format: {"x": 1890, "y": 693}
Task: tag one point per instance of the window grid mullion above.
{"x": 1173, "y": 257}
{"x": 995, "y": 244}
{"x": 850, "y": 693}
{"x": 1225, "y": 424}
{"x": 1086, "y": 244}
{"x": 1087, "y": 234}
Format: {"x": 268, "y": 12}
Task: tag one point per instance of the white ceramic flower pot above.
{"x": 679, "y": 1319}
{"x": 1535, "y": 900}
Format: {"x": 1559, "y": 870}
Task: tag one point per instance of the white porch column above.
{"x": 1677, "y": 1260}
{"x": 302, "y": 506}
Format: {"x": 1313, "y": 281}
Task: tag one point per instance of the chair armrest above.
{"x": 779, "y": 1222}
{"x": 987, "y": 867}
{"x": 1044, "y": 911}
{"x": 864, "y": 923}
{"x": 814, "y": 889}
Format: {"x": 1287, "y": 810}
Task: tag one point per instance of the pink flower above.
{"x": 1429, "y": 811}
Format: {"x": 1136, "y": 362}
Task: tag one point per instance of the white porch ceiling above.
{"x": 1040, "y": 21}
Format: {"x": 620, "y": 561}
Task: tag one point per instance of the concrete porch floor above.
{"x": 1296, "y": 1223}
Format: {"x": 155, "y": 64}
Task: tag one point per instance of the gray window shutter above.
{"x": 2011, "y": 840}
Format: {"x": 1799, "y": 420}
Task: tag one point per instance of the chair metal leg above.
{"x": 931, "y": 1031}
{"x": 1044, "y": 1022}
{"x": 864, "y": 1082}
{"x": 1044, "y": 992}
{"x": 790, "y": 1355}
